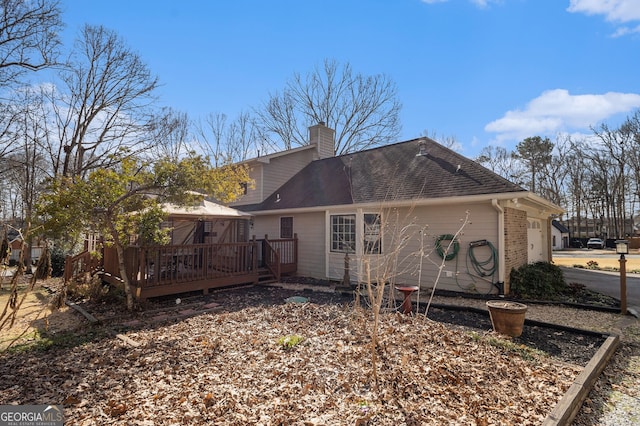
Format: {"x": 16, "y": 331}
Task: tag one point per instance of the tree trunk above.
{"x": 121, "y": 265}
{"x": 123, "y": 274}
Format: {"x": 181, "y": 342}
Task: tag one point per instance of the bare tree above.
{"x": 450, "y": 141}
{"x": 631, "y": 127}
{"x": 612, "y": 161}
{"x": 105, "y": 108}
{"x": 28, "y": 37}
{"x": 502, "y": 162}
{"x": 26, "y": 166}
{"x": 575, "y": 190}
{"x": 233, "y": 141}
{"x": 170, "y": 131}
{"x": 212, "y": 132}
{"x": 552, "y": 179}
{"x": 363, "y": 110}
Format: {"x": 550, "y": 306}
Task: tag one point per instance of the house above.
{"x": 559, "y": 236}
{"x": 16, "y": 249}
{"x": 422, "y": 207}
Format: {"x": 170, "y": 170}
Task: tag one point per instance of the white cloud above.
{"x": 557, "y": 110}
{"x": 613, "y": 10}
{"x": 623, "y": 31}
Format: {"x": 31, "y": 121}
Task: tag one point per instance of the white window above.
{"x": 343, "y": 233}
{"x": 372, "y": 235}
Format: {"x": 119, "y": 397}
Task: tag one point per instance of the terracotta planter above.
{"x": 507, "y": 317}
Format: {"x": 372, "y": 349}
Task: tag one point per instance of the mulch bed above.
{"x": 566, "y": 344}
{"x": 234, "y": 366}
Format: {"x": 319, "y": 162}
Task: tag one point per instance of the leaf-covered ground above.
{"x": 238, "y": 368}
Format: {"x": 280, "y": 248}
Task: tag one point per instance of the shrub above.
{"x": 540, "y": 280}
{"x": 57, "y": 262}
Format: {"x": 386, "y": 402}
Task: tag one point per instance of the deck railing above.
{"x": 81, "y": 263}
{"x": 159, "y": 265}
{"x": 280, "y": 256}
{"x": 163, "y": 270}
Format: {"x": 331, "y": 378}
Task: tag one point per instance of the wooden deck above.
{"x": 163, "y": 270}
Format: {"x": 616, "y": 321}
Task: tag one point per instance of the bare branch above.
{"x": 28, "y": 37}
{"x": 363, "y": 110}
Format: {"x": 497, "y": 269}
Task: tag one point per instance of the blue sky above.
{"x": 488, "y": 72}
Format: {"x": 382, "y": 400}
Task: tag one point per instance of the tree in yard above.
{"x": 502, "y": 162}
{"x": 28, "y": 42}
{"x": 405, "y": 251}
{"x": 363, "y": 110}
{"x": 233, "y": 141}
{"x": 170, "y": 133}
{"x": 25, "y": 168}
{"x": 535, "y": 152}
{"x": 28, "y": 37}
{"x": 104, "y": 106}
{"x": 553, "y": 180}
{"x": 612, "y": 159}
{"x": 125, "y": 200}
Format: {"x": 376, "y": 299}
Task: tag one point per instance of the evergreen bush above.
{"x": 57, "y": 262}
{"x": 539, "y": 280}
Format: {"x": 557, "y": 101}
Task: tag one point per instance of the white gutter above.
{"x": 501, "y": 246}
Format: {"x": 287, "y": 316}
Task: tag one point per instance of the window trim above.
{"x": 377, "y": 245}
{"x": 283, "y": 228}
{"x": 343, "y": 224}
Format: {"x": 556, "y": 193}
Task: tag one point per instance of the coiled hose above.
{"x": 487, "y": 267}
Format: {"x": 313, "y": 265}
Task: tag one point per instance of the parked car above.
{"x": 595, "y": 243}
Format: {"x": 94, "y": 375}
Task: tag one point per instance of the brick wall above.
{"x": 515, "y": 241}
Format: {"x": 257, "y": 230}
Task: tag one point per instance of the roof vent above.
{"x": 422, "y": 149}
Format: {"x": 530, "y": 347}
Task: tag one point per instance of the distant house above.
{"x": 407, "y": 200}
{"x": 16, "y": 249}
{"x": 559, "y": 236}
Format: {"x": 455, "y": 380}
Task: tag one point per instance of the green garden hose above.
{"x": 487, "y": 267}
{"x": 452, "y": 248}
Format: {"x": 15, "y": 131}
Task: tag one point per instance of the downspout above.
{"x": 501, "y": 250}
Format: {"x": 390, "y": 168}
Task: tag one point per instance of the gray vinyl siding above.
{"x": 311, "y": 244}
{"x": 310, "y": 229}
{"x": 419, "y": 229}
{"x": 281, "y": 169}
{"x": 254, "y": 195}
{"x": 272, "y": 174}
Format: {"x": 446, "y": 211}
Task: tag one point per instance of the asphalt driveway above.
{"x": 607, "y": 283}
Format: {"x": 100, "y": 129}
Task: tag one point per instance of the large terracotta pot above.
{"x": 507, "y": 317}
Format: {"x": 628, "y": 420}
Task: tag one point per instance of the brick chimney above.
{"x": 324, "y": 139}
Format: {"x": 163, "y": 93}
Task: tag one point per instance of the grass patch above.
{"x": 523, "y": 351}
{"x": 290, "y": 342}
{"x": 46, "y": 341}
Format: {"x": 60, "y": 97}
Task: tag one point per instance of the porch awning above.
{"x": 205, "y": 209}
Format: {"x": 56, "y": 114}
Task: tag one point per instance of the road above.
{"x": 607, "y": 283}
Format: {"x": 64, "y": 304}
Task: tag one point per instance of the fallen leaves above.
{"x": 231, "y": 369}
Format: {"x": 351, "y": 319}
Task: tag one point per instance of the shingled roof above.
{"x": 415, "y": 169}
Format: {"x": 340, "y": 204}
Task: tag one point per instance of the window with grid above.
{"x": 343, "y": 233}
{"x": 286, "y": 227}
{"x": 372, "y": 236}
